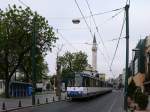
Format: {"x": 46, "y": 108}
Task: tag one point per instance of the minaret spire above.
{"x": 94, "y": 39}
{"x": 94, "y": 54}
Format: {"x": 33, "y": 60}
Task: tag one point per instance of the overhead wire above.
{"x": 87, "y": 24}
{"x": 85, "y": 28}
{"x": 84, "y": 19}
{"x": 118, "y": 42}
{"x": 112, "y": 17}
{"x": 23, "y": 3}
{"x": 54, "y": 29}
{"x": 116, "y": 38}
{"x": 89, "y": 16}
{"x": 106, "y": 12}
{"x": 67, "y": 41}
{"x": 96, "y": 27}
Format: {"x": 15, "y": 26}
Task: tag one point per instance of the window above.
{"x": 78, "y": 80}
{"x": 70, "y": 83}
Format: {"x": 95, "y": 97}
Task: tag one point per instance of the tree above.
{"x": 141, "y": 99}
{"x": 73, "y": 62}
{"x": 79, "y": 62}
{"x": 41, "y": 68}
{"x": 131, "y": 89}
{"x": 16, "y": 31}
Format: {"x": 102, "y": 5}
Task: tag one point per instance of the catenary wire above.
{"x": 23, "y": 3}
{"x": 118, "y": 42}
{"x": 84, "y": 18}
{"x": 97, "y": 30}
{"x": 70, "y": 44}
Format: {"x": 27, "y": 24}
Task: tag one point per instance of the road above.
{"x": 111, "y": 102}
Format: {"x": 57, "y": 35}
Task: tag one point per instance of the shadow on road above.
{"x": 86, "y": 99}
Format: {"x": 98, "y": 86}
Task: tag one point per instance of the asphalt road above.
{"x": 111, "y": 102}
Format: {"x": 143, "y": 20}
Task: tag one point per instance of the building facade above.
{"x": 141, "y": 64}
{"x": 147, "y": 65}
{"x": 138, "y": 64}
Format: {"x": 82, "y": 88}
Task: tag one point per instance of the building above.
{"x": 141, "y": 65}
{"x": 138, "y": 64}
{"x": 147, "y": 65}
{"x": 123, "y": 76}
{"x": 94, "y": 54}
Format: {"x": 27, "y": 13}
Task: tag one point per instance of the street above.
{"x": 111, "y": 102}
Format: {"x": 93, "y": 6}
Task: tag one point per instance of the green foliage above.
{"x": 131, "y": 89}
{"x": 16, "y": 32}
{"x": 73, "y": 62}
{"x": 41, "y": 68}
{"x": 141, "y": 99}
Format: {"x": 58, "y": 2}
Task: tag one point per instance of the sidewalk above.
{"x": 13, "y": 103}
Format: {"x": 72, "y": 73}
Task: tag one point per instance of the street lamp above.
{"x": 75, "y": 21}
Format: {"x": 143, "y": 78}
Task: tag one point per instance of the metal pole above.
{"x": 33, "y": 61}
{"x": 132, "y": 63}
{"x": 127, "y": 56}
{"x": 58, "y": 80}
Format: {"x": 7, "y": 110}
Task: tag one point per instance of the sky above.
{"x": 73, "y": 37}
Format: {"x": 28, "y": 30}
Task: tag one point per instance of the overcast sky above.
{"x": 60, "y": 13}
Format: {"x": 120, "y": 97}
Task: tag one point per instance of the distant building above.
{"x": 121, "y": 80}
{"x": 123, "y": 76}
{"x": 102, "y": 76}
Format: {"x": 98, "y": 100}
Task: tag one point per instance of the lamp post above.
{"x": 127, "y": 57}
{"x": 33, "y": 61}
{"x": 75, "y": 21}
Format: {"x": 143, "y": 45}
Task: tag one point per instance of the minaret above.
{"x": 94, "y": 54}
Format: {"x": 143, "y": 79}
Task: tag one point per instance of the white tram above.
{"x": 86, "y": 85}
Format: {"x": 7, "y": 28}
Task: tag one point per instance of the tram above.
{"x": 86, "y": 85}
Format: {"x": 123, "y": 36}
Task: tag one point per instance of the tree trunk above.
{"x": 7, "y": 75}
{"x": 7, "y": 95}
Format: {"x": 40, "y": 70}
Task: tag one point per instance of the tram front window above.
{"x": 78, "y": 80}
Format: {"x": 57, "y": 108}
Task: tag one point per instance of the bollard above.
{"x": 53, "y": 98}
{"x": 3, "y": 106}
{"x": 46, "y": 100}
{"x": 38, "y": 101}
{"x": 19, "y": 105}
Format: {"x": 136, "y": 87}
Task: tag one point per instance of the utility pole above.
{"x": 58, "y": 74}
{"x": 33, "y": 61}
{"x": 58, "y": 78}
{"x": 127, "y": 57}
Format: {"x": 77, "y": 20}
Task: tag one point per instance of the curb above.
{"x": 19, "y": 108}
